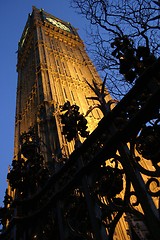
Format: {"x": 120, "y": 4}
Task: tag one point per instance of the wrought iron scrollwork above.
{"x": 76, "y": 216}
{"x": 108, "y": 181}
{"x": 107, "y": 169}
{"x": 28, "y": 171}
{"x": 153, "y": 191}
{"x": 73, "y": 122}
{"x": 148, "y": 142}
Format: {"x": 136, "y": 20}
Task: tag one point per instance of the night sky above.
{"x": 14, "y": 14}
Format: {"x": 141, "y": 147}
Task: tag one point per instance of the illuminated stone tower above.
{"x": 59, "y": 188}
{"x": 53, "y": 67}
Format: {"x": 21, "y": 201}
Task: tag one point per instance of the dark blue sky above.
{"x": 14, "y": 15}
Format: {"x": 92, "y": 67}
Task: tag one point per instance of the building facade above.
{"x": 53, "y": 68}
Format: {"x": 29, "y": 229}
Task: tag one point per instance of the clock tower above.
{"x": 53, "y": 70}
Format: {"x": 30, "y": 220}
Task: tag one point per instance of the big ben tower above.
{"x": 52, "y": 69}
{"x": 55, "y": 75}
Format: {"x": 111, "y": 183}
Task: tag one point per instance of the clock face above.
{"x": 58, "y": 24}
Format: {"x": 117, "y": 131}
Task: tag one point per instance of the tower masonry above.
{"x": 53, "y": 68}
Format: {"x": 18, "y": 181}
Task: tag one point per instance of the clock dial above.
{"x": 58, "y": 24}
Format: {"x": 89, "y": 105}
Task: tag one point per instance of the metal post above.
{"x": 150, "y": 211}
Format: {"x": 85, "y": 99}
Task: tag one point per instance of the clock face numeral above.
{"x": 58, "y": 24}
